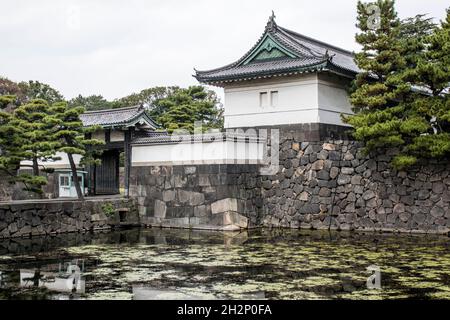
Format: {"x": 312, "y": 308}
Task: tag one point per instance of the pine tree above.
{"x": 184, "y": 107}
{"x": 10, "y": 154}
{"x": 149, "y": 97}
{"x": 32, "y": 120}
{"x": 378, "y": 114}
{"x": 91, "y": 103}
{"x": 10, "y": 88}
{"x": 34, "y": 135}
{"x": 38, "y": 90}
{"x": 24, "y": 133}
{"x": 412, "y": 34}
{"x": 430, "y": 101}
{"x": 400, "y": 99}
{"x": 72, "y": 136}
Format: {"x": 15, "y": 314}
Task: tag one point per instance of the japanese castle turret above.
{"x": 285, "y": 79}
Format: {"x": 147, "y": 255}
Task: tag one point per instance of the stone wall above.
{"x": 322, "y": 183}
{"x": 225, "y": 197}
{"x": 330, "y": 184}
{"x": 15, "y": 191}
{"x": 46, "y": 243}
{"x": 25, "y": 218}
{"x": 6, "y": 189}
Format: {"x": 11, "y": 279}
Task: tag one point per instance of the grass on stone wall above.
{"x": 108, "y": 209}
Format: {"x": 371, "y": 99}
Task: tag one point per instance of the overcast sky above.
{"x": 115, "y": 48}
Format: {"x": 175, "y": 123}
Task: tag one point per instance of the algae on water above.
{"x": 261, "y": 265}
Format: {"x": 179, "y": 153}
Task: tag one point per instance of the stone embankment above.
{"x": 50, "y": 217}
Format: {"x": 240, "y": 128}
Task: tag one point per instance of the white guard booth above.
{"x": 66, "y": 184}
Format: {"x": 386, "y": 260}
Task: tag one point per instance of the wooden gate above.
{"x": 107, "y": 174}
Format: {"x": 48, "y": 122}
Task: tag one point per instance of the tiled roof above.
{"x": 165, "y": 138}
{"x": 146, "y": 135}
{"x": 337, "y": 56}
{"x": 120, "y": 117}
{"x": 307, "y": 55}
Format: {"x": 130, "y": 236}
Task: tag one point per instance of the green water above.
{"x": 260, "y": 264}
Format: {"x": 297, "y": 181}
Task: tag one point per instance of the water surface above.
{"x": 260, "y": 264}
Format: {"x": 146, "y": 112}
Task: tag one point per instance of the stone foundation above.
{"x": 330, "y": 184}
{"x": 218, "y": 197}
{"x": 25, "y": 219}
{"x": 322, "y": 183}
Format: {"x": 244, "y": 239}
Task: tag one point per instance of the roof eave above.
{"x": 324, "y": 66}
{"x": 344, "y": 72}
{"x": 128, "y": 123}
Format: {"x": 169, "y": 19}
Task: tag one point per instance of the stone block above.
{"x": 343, "y": 179}
{"x": 4, "y": 234}
{"x": 419, "y": 218}
{"x": 322, "y": 155}
{"x": 12, "y": 228}
{"x": 267, "y": 184}
{"x": 184, "y": 196}
{"x": 196, "y": 199}
{"x": 438, "y": 187}
{"x": 323, "y": 175}
{"x": 304, "y": 196}
{"x": 169, "y": 195}
{"x": 347, "y": 170}
{"x": 334, "y": 156}
{"x": 224, "y": 205}
{"x": 369, "y": 194}
{"x": 437, "y": 212}
{"x": 203, "y": 180}
{"x": 329, "y": 147}
{"x": 399, "y": 208}
{"x": 200, "y": 211}
{"x": 288, "y": 173}
{"x": 325, "y": 192}
{"x": 235, "y": 219}
{"x": 334, "y": 172}
{"x": 160, "y": 209}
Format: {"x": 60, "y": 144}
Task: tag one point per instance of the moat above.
{"x": 255, "y": 264}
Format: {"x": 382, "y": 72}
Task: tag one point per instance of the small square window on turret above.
{"x": 263, "y": 100}
{"x": 273, "y": 98}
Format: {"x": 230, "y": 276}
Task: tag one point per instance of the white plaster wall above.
{"x": 297, "y": 102}
{"x": 307, "y": 98}
{"x": 218, "y": 152}
{"x": 333, "y": 99}
{"x": 58, "y": 164}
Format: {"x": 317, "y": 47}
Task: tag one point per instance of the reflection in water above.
{"x": 258, "y": 264}
{"x": 141, "y": 292}
{"x": 69, "y": 280}
{"x": 149, "y": 293}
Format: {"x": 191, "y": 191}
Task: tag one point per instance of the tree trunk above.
{"x": 35, "y": 167}
{"x": 73, "y": 167}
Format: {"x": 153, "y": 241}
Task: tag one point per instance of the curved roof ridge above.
{"x": 116, "y": 117}
{"x": 333, "y": 47}
{"x": 308, "y": 49}
{"x": 242, "y": 58}
{"x": 113, "y": 109}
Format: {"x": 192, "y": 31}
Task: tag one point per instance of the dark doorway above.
{"x": 107, "y": 174}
